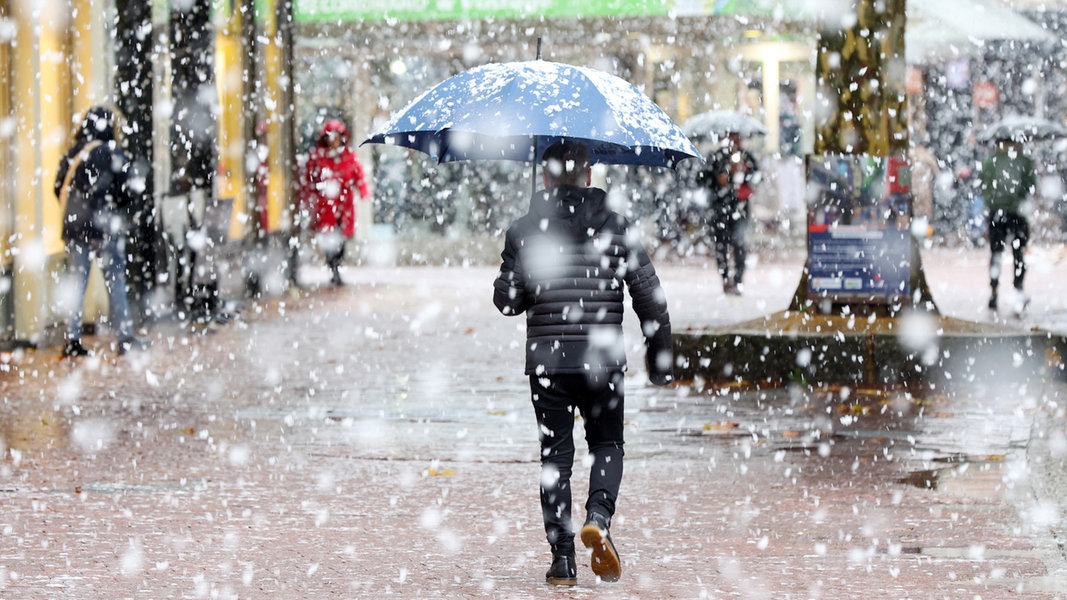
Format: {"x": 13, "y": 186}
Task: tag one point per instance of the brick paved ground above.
{"x": 377, "y": 441}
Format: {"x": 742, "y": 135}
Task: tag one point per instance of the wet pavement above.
{"x": 376, "y": 440}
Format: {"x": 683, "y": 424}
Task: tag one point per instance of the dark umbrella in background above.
{"x": 513, "y": 111}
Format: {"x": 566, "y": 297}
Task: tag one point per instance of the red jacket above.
{"x": 331, "y": 179}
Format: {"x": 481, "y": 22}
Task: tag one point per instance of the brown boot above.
{"x": 596, "y": 536}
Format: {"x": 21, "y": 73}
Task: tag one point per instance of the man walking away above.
{"x": 1008, "y": 179}
{"x": 565, "y": 264}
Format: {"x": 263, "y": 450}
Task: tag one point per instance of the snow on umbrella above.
{"x": 718, "y": 123}
{"x": 950, "y": 29}
{"x": 510, "y": 111}
{"x": 1022, "y": 129}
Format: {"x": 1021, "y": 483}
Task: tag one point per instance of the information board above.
{"x": 859, "y": 211}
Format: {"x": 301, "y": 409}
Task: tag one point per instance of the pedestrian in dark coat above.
{"x": 731, "y": 174}
{"x": 332, "y": 179}
{"x": 566, "y": 264}
{"x": 1008, "y": 180}
{"x": 93, "y": 187}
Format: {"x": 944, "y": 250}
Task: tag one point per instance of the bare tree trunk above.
{"x": 860, "y": 74}
{"x": 286, "y": 27}
{"x": 193, "y": 140}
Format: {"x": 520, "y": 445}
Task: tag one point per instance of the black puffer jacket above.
{"x": 99, "y": 197}
{"x": 726, "y": 204}
{"x": 565, "y": 264}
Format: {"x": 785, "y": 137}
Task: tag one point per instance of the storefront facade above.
{"x": 49, "y": 67}
{"x": 57, "y": 59}
{"x": 686, "y": 56}
{"x": 362, "y": 59}
{"x": 367, "y": 60}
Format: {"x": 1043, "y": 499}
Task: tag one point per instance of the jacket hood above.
{"x": 581, "y": 206}
{"x": 333, "y": 127}
{"x": 98, "y": 124}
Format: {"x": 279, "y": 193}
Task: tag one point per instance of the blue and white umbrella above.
{"x": 513, "y": 111}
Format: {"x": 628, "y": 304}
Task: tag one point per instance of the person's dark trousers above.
{"x": 729, "y": 239}
{"x": 1003, "y": 226}
{"x": 599, "y": 399}
{"x": 333, "y": 260}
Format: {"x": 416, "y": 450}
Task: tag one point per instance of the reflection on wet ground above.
{"x": 396, "y": 454}
{"x": 939, "y": 436}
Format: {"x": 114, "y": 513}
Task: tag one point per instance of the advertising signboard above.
{"x": 859, "y": 210}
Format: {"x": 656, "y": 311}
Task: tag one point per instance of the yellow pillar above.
{"x": 230, "y": 179}
{"x": 6, "y": 177}
{"x": 53, "y": 79}
{"x": 39, "y": 105}
{"x": 278, "y": 182}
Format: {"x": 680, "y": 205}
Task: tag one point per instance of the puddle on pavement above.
{"x": 977, "y": 479}
{"x": 959, "y": 441}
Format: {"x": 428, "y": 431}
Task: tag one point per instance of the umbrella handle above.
{"x": 533, "y": 169}
{"x": 533, "y": 174}
{"x": 534, "y": 151}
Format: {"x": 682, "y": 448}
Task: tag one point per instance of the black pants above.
{"x": 334, "y": 258}
{"x": 600, "y": 402}
{"x": 1003, "y": 226}
{"x": 728, "y": 234}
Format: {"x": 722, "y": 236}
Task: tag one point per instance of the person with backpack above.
{"x": 1008, "y": 180}
{"x": 93, "y": 187}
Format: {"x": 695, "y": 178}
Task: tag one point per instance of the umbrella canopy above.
{"x": 950, "y": 29}
{"x": 513, "y": 111}
{"x": 718, "y": 123}
{"x": 1022, "y": 129}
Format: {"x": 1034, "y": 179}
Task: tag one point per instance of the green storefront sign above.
{"x": 409, "y": 10}
{"x": 311, "y": 11}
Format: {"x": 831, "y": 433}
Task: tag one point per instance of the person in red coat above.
{"x": 332, "y": 178}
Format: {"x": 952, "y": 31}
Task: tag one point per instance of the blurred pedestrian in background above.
{"x": 565, "y": 265}
{"x": 332, "y": 178}
{"x": 1008, "y": 179}
{"x": 94, "y": 190}
{"x": 730, "y": 175}
{"x": 924, "y": 174}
